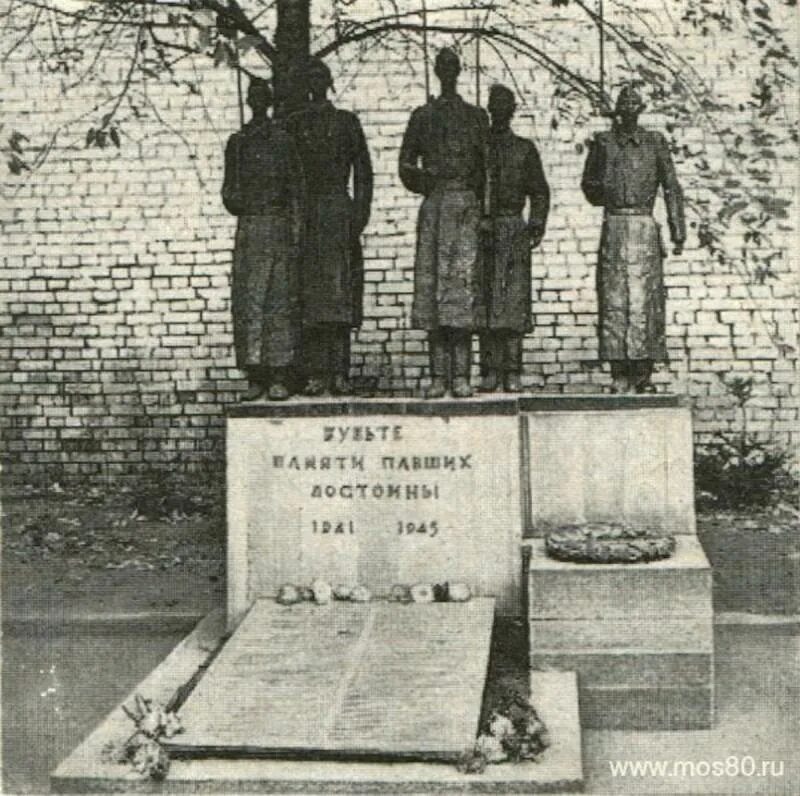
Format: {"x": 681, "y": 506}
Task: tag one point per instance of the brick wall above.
{"x": 114, "y": 288}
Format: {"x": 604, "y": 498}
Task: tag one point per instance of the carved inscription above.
{"x": 376, "y": 474}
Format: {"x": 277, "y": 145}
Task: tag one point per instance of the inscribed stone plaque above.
{"x": 376, "y": 499}
{"x": 344, "y": 679}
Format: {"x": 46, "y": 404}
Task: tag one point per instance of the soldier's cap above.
{"x": 316, "y": 66}
{"x": 502, "y": 93}
{"x": 447, "y": 57}
{"x": 629, "y": 96}
{"x": 259, "y": 89}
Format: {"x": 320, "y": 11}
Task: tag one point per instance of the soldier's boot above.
{"x": 278, "y": 389}
{"x": 315, "y": 386}
{"x": 461, "y": 350}
{"x": 642, "y": 373}
{"x": 512, "y": 363}
{"x": 339, "y": 360}
{"x": 438, "y": 347}
{"x": 490, "y": 381}
{"x": 491, "y": 361}
{"x": 255, "y": 377}
{"x": 620, "y": 377}
{"x": 513, "y": 382}
{"x": 341, "y": 385}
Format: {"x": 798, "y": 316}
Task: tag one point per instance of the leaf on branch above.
{"x": 90, "y": 136}
{"x": 247, "y": 43}
{"x": 220, "y": 54}
{"x": 100, "y": 139}
{"x": 204, "y": 38}
{"x": 113, "y": 134}
{"x": 14, "y": 141}
{"x": 16, "y": 165}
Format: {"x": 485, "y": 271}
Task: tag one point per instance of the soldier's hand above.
{"x": 486, "y": 226}
{"x": 536, "y": 239}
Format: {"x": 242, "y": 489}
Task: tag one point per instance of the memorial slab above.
{"x": 344, "y": 680}
{"x": 376, "y": 493}
{"x": 85, "y": 771}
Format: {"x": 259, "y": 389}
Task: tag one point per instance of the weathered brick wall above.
{"x": 115, "y": 315}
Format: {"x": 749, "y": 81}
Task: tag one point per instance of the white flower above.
{"x": 341, "y": 592}
{"x": 422, "y": 593}
{"x": 400, "y": 593}
{"x": 360, "y": 594}
{"x": 152, "y": 722}
{"x": 459, "y": 592}
{"x": 288, "y": 594}
{"x": 323, "y": 592}
{"x": 172, "y": 725}
{"x": 491, "y": 748}
{"x": 500, "y": 726}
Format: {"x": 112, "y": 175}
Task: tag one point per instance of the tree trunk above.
{"x": 292, "y": 42}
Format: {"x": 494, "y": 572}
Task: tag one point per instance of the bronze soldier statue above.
{"x": 443, "y": 158}
{"x": 263, "y": 187}
{"x": 624, "y": 169}
{"x": 515, "y": 176}
{"x": 332, "y": 148}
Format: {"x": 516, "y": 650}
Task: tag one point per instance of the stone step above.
{"x": 690, "y": 708}
{"x": 684, "y": 634}
{"x": 629, "y": 668}
{"x": 679, "y": 586}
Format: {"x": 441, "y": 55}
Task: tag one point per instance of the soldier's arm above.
{"x": 594, "y": 173}
{"x": 362, "y": 176}
{"x": 231, "y": 188}
{"x": 538, "y": 194}
{"x": 673, "y": 195}
{"x": 411, "y": 174}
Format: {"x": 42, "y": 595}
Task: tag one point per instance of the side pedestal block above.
{"x": 639, "y": 636}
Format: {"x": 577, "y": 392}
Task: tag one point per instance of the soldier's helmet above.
{"x": 447, "y": 61}
{"x": 317, "y": 68}
{"x": 502, "y": 96}
{"x": 259, "y": 92}
{"x": 629, "y": 100}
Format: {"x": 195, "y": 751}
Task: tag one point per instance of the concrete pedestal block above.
{"x": 374, "y": 492}
{"x": 639, "y": 636}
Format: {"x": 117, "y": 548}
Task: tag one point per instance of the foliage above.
{"x": 735, "y": 470}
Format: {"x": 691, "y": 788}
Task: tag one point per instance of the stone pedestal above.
{"x": 374, "y": 492}
{"x": 639, "y": 636}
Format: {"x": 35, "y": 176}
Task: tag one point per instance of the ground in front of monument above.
{"x": 155, "y": 562}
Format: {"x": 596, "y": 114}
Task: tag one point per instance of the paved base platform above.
{"x": 553, "y": 693}
{"x": 639, "y": 637}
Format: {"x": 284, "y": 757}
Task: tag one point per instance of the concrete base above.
{"x": 554, "y": 694}
{"x": 639, "y": 636}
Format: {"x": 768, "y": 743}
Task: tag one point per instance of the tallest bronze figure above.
{"x": 443, "y": 157}
{"x": 624, "y": 170}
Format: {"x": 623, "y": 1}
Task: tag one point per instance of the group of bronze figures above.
{"x": 298, "y": 269}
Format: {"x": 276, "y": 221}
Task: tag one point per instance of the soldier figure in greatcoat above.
{"x": 624, "y": 169}
{"x": 515, "y": 178}
{"x": 332, "y": 150}
{"x": 443, "y": 157}
{"x": 263, "y": 187}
